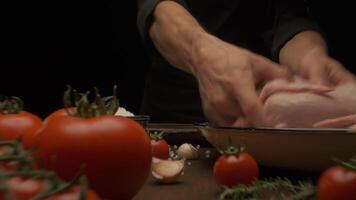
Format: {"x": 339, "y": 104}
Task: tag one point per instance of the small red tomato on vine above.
{"x": 235, "y": 167}
{"x": 43, "y": 185}
{"x": 77, "y": 189}
{"x": 7, "y": 164}
{"x": 13, "y": 157}
{"x": 338, "y": 182}
{"x": 20, "y": 188}
{"x": 73, "y": 194}
{"x": 160, "y": 148}
{"x": 16, "y": 123}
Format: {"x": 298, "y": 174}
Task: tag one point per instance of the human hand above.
{"x": 227, "y": 77}
{"x": 339, "y": 122}
{"x": 317, "y": 67}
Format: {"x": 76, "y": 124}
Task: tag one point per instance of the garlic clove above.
{"x": 187, "y": 151}
{"x": 167, "y": 171}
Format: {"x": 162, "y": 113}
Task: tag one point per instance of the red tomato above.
{"x": 19, "y": 188}
{"x": 31, "y": 140}
{"x": 3, "y": 150}
{"x": 14, "y": 126}
{"x": 232, "y": 170}
{"x": 7, "y": 165}
{"x": 23, "y": 188}
{"x": 59, "y": 113}
{"x": 115, "y": 150}
{"x": 160, "y": 148}
{"x": 337, "y": 183}
{"x": 73, "y": 194}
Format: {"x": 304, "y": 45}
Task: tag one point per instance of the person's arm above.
{"x": 175, "y": 33}
{"x": 299, "y": 45}
{"x": 307, "y": 54}
{"x": 227, "y": 74}
{"x": 293, "y": 52}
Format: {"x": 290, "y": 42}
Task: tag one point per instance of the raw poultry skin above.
{"x": 304, "y": 105}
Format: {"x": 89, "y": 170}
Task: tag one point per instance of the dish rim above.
{"x": 340, "y": 131}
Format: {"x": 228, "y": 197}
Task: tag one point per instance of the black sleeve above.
{"x": 144, "y": 15}
{"x": 291, "y": 18}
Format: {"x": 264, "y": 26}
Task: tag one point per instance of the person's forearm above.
{"x": 176, "y": 33}
{"x": 296, "y": 49}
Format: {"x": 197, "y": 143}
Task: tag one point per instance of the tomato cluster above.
{"x": 114, "y": 150}
{"x": 22, "y": 182}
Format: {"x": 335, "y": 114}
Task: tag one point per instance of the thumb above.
{"x": 268, "y": 70}
{"x": 250, "y": 104}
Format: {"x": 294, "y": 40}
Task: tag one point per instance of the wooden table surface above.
{"x": 198, "y": 182}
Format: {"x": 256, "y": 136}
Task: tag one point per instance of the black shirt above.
{"x": 262, "y": 26}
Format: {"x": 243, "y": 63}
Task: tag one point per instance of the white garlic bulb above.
{"x": 187, "y": 151}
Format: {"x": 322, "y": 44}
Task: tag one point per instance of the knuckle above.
{"x": 217, "y": 100}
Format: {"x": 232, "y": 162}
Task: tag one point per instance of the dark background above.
{"x": 46, "y": 45}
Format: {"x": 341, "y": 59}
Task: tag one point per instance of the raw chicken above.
{"x": 301, "y": 104}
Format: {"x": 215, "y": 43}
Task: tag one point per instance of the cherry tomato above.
{"x": 73, "y": 194}
{"x": 19, "y": 188}
{"x": 31, "y": 140}
{"x": 15, "y": 157}
{"x": 60, "y": 113}
{"x": 337, "y": 183}
{"x": 160, "y": 149}
{"x": 8, "y": 165}
{"x": 15, "y": 126}
{"x": 23, "y": 188}
{"x": 16, "y": 123}
{"x": 234, "y": 168}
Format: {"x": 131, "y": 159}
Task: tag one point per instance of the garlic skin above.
{"x": 121, "y": 111}
{"x": 187, "y": 151}
{"x": 167, "y": 171}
